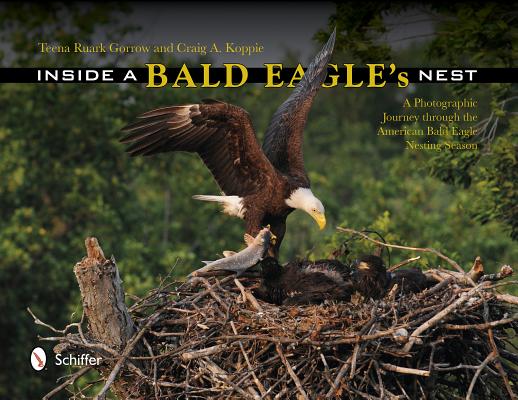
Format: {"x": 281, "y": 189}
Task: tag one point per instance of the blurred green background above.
{"x": 64, "y": 175}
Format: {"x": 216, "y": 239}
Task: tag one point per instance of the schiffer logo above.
{"x": 38, "y": 358}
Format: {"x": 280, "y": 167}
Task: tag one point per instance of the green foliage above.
{"x": 454, "y": 167}
{"x": 481, "y": 34}
{"x": 359, "y": 28}
{"x": 497, "y": 184}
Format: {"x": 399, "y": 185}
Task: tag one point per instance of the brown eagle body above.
{"x": 261, "y": 186}
{"x": 304, "y": 282}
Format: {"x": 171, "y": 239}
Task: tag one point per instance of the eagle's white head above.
{"x": 304, "y": 199}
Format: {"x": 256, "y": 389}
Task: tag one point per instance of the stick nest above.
{"x": 211, "y": 338}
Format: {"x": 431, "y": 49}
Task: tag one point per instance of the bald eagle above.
{"x": 372, "y": 280}
{"x": 260, "y": 186}
{"x": 312, "y": 282}
{"x": 304, "y": 282}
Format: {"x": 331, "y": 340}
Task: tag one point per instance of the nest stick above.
{"x": 209, "y": 287}
{"x": 248, "y": 296}
{"x": 69, "y": 381}
{"x": 483, "y": 326}
{"x": 343, "y": 370}
{"x": 155, "y": 371}
{"x": 480, "y": 368}
{"x": 498, "y": 364}
{"x": 291, "y": 372}
{"x": 249, "y": 365}
{"x": 403, "y": 263}
{"x": 129, "y": 347}
{"x": 437, "y": 288}
{"x": 435, "y": 319}
{"x": 505, "y": 271}
{"x": 209, "y": 351}
{"x": 404, "y": 370}
{"x": 508, "y": 298}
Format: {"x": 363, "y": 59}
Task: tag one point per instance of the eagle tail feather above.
{"x": 232, "y": 205}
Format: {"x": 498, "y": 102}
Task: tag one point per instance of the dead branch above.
{"x": 508, "y": 298}
{"x": 209, "y": 351}
{"x": 436, "y": 318}
{"x": 248, "y": 296}
{"x": 484, "y": 326}
{"x": 403, "y": 263}
{"x": 490, "y": 357}
{"x": 404, "y": 370}
{"x": 291, "y": 372}
{"x": 498, "y": 364}
{"x": 120, "y": 362}
{"x": 505, "y": 271}
{"x": 70, "y": 381}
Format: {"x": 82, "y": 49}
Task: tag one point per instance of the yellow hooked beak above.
{"x": 363, "y": 265}
{"x": 320, "y": 218}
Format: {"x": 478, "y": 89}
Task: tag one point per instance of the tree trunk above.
{"x": 102, "y": 296}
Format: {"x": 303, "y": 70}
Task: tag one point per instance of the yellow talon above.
{"x": 273, "y": 239}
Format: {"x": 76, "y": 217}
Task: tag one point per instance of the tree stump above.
{"x": 102, "y": 295}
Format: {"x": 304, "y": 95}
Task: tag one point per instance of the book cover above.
{"x": 349, "y": 170}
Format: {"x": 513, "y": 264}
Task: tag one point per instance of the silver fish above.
{"x": 256, "y": 250}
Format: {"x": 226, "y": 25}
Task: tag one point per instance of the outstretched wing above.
{"x": 284, "y": 137}
{"x": 222, "y": 134}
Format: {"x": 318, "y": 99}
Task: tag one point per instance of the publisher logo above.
{"x": 38, "y": 358}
